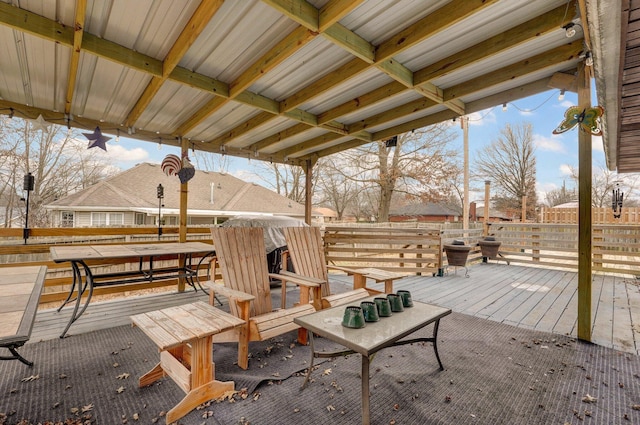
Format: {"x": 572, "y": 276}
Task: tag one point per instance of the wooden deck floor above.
{"x": 527, "y": 297}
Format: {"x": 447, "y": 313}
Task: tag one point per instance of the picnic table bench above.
{"x": 20, "y": 289}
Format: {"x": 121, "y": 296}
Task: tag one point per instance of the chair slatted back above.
{"x": 243, "y": 263}
{"x": 306, "y": 250}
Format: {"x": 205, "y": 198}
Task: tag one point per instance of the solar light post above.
{"x": 28, "y": 186}
{"x": 160, "y": 190}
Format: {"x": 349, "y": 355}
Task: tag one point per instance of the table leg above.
{"x": 435, "y": 342}
{"x": 203, "y": 385}
{"x": 88, "y": 282}
{"x": 313, "y": 356}
{"x": 365, "y": 390}
{"x": 388, "y": 286}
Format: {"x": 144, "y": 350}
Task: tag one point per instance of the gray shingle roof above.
{"x": 136, "y": 188}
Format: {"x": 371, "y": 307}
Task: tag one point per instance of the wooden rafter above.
{"x": 187, "y": 37}
{"x": 78, "y": 30}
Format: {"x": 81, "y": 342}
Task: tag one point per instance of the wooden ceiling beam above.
{"x": 197, "y": 23}
{"x": 300, "y": 11}
{"x": 78, "y": 31}
{"x": 323, "y": 84}
{"x": 367, "y": 99}
{"x": 564, "y": 53}
{"x": 433, "y": 23}
{"x": 393, "y": 114}
{"x": 335, "y": 10}
{"x": 511, "y": 38}
{"x": 520, "y": 92}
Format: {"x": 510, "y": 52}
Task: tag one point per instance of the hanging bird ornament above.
{"x": 587, "y": 119}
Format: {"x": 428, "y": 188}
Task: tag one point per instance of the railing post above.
{"x": 439, "y": 256}
{"x": 535, "y": 242}
{"x": 597, "y": 237}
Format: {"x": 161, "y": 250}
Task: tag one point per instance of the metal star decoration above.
{"x": 40, "y": 124}
{"x": 97, "y": 139}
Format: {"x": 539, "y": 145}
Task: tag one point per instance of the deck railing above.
{"x": 615, "y": 249}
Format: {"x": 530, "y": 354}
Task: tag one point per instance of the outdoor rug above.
{"x": 494, "y": 374}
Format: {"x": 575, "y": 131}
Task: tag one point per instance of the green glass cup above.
{"x": 353, "y": 317}
{"x": 370, "y": 311}
{"x": 384, "y": 308}
{"x": 396, "y": 303}
{"x": 406, "y": 298}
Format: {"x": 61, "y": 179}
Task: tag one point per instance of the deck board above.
{"x": 530, "y": 297}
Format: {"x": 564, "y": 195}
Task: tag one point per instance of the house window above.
{"x": 115, "y": 219}
{"x": 66, "y": 219}
{"x": 140, "y": 219}
{"x": 106, "y": 219}
{"x": 98, "y": 219}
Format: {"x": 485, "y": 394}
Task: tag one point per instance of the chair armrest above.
{"x": 299, "y": 276}
{"x": 297, "y": 279}
{"x": 228, "y": 292}
{"x": 347, "y": 270}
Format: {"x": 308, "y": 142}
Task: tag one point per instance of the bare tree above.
{"x": 208, "y": 161}
{"x": 561, "y": 195}
{"x": 510, "y": 162}
{"x": 58, "y": 159}
{"x": 416, "y": 167}
{"x": 287, "y": 180}
{"x": 604, "y": 181}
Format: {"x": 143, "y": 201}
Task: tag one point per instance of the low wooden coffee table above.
{"x": 184, "y": 336}
{"x": 367, "y": 341}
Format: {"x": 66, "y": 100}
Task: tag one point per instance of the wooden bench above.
{"x": 20, "y": 289}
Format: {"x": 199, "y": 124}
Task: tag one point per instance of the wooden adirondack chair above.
{"x": 241, "y": 255}
{"x": 306, "y": 249}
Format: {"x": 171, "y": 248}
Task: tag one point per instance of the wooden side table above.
{"x": 360, "y": 279}
{"x": 184, "y": 336}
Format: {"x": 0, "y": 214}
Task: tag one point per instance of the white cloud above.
{"x": 121, "y": 154}
{"x": 482, "y": 117}
{"x": 551, "y": 144}
{"x": 565, "y": 170}
{"x": 596, "y": 143}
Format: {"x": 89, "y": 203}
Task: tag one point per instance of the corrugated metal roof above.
{"x": 276, "y": 79}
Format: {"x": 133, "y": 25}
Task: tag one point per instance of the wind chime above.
{"x": 616, "y": 201}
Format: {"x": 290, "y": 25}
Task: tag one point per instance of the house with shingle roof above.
{"x": 425, "y": 211}
{"x": 131, "y": 199}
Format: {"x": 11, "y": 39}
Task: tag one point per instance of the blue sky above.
{"x": 554, "y": 153}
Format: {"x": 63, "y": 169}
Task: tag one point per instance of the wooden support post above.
{"x": 464, "y": 121}
{"x": 308, "y": 171}
{"x": 584, "y": 211}
{"x": 184, "y": 190}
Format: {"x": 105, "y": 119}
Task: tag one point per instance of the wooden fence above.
{"x": 604, "y": 215}
{"x": 615, "y": 249}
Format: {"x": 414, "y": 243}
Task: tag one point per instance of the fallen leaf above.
{"x": 135, "y": 417}
{"x": 122, "y": 376}
{"x": 330, "y": 408}
{"x": 62, "y": 376}
{"x": 256, "y": 396}
{"x": 327, "y": 371}
{"x": 636, "y": 407}
{"x": 589, "y": 399}
{"x": 120, "y": 390}
{"x": 87, "y": 408}
{"x": 30, "y": 378}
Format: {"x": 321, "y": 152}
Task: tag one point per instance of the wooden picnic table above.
{"x": 85, "y": 280}
{"x": 20, "y": 289}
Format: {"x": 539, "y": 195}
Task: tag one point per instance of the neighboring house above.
{"x": 130, "y": 199}
{"x": 424, "y": 212}
{"x": 476, "y": 213}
